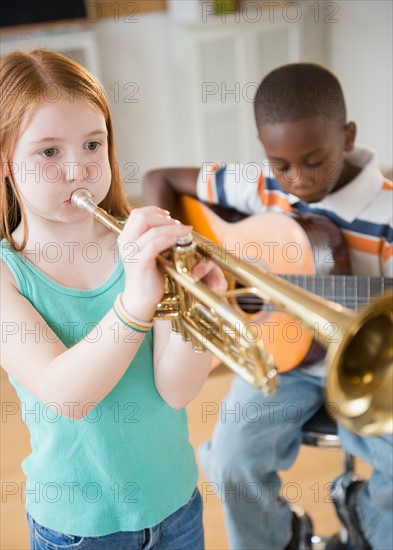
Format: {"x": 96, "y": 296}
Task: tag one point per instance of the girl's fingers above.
{"x": 153, "y": 241}
{"x": 142, "y": 219}
{"x": 151, "y": 230}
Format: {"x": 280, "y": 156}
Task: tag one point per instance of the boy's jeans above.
{"x": 182, "y": 530}
{"x": 255, "y": 436}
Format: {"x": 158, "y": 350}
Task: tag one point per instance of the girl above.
{"x": 111, "y": 465}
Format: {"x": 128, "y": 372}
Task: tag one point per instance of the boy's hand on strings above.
{"x": 211, "y": 275}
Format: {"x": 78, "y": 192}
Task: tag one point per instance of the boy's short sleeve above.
{"x": 236, "y": 185}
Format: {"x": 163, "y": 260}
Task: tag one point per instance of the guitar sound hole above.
{"x": 249, "y": 303}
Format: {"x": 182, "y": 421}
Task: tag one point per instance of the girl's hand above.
{"x": 148, "y": 232}
{"x": 179, "y": 372}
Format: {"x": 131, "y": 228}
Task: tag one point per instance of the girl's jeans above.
{"x": 257, "y": 436}
{"x": 182, "y": 530}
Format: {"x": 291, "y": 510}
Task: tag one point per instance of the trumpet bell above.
{"x": 360, "y": 377}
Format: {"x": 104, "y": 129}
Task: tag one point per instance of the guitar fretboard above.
{"x": 351, "y": 291}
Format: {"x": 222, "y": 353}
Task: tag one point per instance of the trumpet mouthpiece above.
{"x": 80, "y": 198}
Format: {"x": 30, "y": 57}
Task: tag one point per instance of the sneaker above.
{"x": 344, "y": 492}
{"x": 302, "y": 531}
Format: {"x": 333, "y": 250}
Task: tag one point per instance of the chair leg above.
{"x": 349, "y": 463}
{"x": 349, "y": 467}
{"x": 339, "y": 541}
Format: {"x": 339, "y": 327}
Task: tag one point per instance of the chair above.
{"x": 321, "y": 431}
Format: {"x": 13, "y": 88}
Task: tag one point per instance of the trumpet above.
{"x": 203, "y": 318}
{"x": 360, "y": 373}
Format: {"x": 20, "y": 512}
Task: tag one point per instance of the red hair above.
{"x": 26, "y": 78}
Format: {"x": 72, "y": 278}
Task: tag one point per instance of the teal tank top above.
{"x": 128, "y": 464}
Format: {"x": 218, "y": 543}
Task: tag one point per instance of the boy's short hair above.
{"x": 298, "y": 91}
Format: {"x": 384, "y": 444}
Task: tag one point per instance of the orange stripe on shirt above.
{"x": 270, "y": 198}
{"x": 262, "y": 189}
{"x": 209, "y": 183}
{"x": 386, "y": 251}
{"x": 362, "y": 244}
{"x": 209, "y": 188}
{"x": 276, "y": 199}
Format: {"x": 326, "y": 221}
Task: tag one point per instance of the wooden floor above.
{"x": 311, "y": 474}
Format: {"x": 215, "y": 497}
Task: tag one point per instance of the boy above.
{"x": 314, "y": 167}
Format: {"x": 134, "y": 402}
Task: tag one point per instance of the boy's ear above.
{"x": 349, "y": 136}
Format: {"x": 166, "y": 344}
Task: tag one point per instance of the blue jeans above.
{"x": 256, "y": 436}
{"x": 182, "y": 530}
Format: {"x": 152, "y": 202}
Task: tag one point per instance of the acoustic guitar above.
{"x": 308, "y": 250}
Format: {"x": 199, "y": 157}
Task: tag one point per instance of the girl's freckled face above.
{"x": 62, "y": 147}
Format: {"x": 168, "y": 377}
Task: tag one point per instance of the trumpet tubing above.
{"x": 360, "y": 374}
{"x": 201, "y": 317}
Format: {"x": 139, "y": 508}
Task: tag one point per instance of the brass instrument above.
{"x": 360, "y": 374}
{"x": 201, "y": 317}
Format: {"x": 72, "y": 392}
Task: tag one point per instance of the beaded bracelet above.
{"x": 129, "y": 320}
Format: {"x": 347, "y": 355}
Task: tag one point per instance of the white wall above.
{"x": 134, "y": 61}
{"x": 358, "y": 47}
{"x": 359, "y": 51}
{"x": 138, "y": 58}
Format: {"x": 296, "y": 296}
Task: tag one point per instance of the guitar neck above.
{"x": 238, "y": 231}
{"x": 351, "y": 291}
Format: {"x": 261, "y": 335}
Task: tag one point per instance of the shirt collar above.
{"x": 353, "y": 198}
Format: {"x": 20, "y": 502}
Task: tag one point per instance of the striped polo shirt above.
{"x": 362, "y": 209}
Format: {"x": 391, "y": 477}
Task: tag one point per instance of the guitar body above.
{"x": 285, "y": 244}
